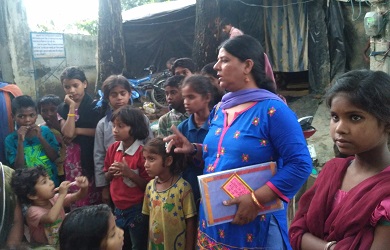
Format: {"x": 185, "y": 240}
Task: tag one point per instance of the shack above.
{"x": 308, "y": 42}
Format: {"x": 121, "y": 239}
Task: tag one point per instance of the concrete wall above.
{"x": 80, "y": 51}
{"x": 15, "y": 41}
{"x": 39, "y": 77}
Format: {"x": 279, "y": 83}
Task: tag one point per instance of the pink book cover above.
{"x": 224, "y": 185}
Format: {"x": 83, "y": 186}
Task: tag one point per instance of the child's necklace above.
{"x": 158, "y": 181}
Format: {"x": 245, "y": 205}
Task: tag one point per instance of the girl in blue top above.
{"x": 252, "y": 125}
{"x": 197, "y": 93}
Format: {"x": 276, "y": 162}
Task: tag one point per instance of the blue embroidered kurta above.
{"x": 266, "y": 131}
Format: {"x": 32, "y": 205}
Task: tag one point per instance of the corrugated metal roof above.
{"x": 152, "y": 9}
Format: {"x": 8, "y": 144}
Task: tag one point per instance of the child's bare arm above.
{"x": 68, "y": 128}
{"x": 50, "y": 152}
{"x": 82, "y": 183}
{"x": 15, "y": 235}
{"x": 55, "y": 211}
{"x": 190, "y": 233}
{"x": 85, "y": 131}
{"x": 19, "y": 158}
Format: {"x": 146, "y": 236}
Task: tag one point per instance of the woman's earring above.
{"x": 246, "y": 79}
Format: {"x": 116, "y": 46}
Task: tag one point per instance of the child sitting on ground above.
{"x": 47, "y": 108}
{"x": 98, "y": 230}
{"x": 30, "y": 145}
{"x": 46, "y": 209}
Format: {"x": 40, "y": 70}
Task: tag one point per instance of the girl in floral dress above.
{"x": 79, "y": 118}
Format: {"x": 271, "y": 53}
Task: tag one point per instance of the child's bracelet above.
{"x": 256, "y": 201}
{"x": 71, "y": 115}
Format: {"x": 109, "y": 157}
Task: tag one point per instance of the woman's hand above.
{"x": 181, "y": 143}
{"x": 247, "y": 210}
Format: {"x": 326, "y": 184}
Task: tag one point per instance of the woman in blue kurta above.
{"x": 252, "y": 125}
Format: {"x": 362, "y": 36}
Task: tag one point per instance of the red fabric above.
{"x": 14, "y": 90}
{"x": 122, "y": 195}
{"x": 349, "y": 222}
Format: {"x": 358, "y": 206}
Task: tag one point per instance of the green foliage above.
{"x": 89, "y": 26}
{"x": 128, "y": 4}
{"x": 49, "y": 26}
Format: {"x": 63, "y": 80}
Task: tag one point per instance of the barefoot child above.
{"x": 46, "y": 208}
{"x": 168, "y": 201}
{"x": 124, "y": 170}
{"x": 348, "y": 207}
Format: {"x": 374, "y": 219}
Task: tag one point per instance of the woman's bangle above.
{"x": 71, "y": 115}
{"x": 329, "y": 245}
{"x": 256, "y": 201}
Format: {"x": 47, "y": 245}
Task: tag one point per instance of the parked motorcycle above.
{"x": 308, "y": 131}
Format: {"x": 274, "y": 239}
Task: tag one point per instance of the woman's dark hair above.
{"x": 73, "y": 72}
{"x": 23, "y": 101}
{"x": 184, "y": 62}
{"x": 246, "y": 47}
{"x": 157, "y": 146}
{"x": 48, "y": 99}
{"x": 208, "y": 69}
{"x": 366, "y": 89}
{"x": 201, "y": 85}
{"x": 85, "y": 228}
{"x": 174, "y": 81}
{"x": 24, "y": 180}
{"x": 134, "y": 118}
